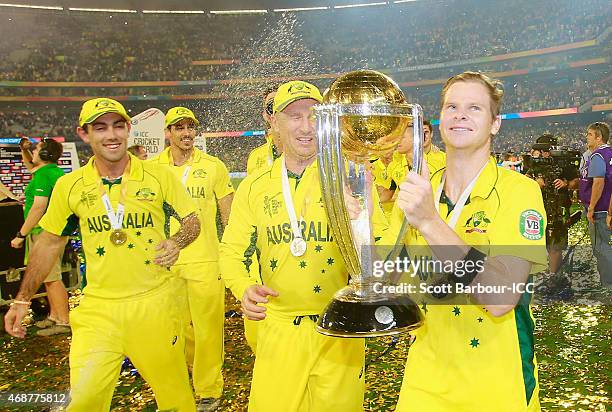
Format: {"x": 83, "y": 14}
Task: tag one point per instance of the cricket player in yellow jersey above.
{"x": 264, "y": 155}
{"x": 278, "y": 215}
{"x": 389, "y": 174}
{"x": 384, "y": 183}
{"x": 129, "y": 307}
{"x": 261, "y": 158}
{"x": 207, "y": 181}
{"x": 477, "y": 356}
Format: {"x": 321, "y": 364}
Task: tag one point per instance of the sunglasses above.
{"x": 270, "y": 107}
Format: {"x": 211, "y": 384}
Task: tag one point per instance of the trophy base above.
{"x": 358, "y": 318}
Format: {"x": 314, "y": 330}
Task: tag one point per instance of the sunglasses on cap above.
{"x": 270, "y": 107}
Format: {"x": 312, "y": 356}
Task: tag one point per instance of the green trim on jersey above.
{"x": 524, "y": 329}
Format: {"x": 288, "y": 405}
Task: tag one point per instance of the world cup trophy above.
{"x": 364, "y": 114}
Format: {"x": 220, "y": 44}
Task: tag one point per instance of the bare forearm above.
{"x": 7, "y": 192}
{"x": 32, "y": 220}
{"x": 26, "y": 156}
{"x": 384, "y": 194}
{"x": 47, "y": 249}
{"x": 189, "y": 231}
{"x": 225, "y": 207}
{"x": 597, "y": 190}
{"x": 502, "y": 272}
{"x": 444, "y": 242}
{"x": 508, "y": 274}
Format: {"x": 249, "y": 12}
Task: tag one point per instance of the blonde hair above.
{"x": 493, "y": 86}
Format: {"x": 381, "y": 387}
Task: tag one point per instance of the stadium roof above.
{"x": 190, "y": 4}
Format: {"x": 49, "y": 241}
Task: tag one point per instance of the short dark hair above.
{"x": 428, "y": 124}
{"x": 50, "y": 150}
{"x": 268, "y": 105}
{"x": 134, "y": 149}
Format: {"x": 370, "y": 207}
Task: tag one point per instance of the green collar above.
{"x": 449, "y": 204}
{"x": 111, "y": 182}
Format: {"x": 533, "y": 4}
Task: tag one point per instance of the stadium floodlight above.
{"x": 303, "y": 9}
{"x": 262, "y": 11}
{"x": 102, "y": 10}
{"x": 31, "y": 6}
{"x": 173, "y": 12}
{"x": 346, "y": 6}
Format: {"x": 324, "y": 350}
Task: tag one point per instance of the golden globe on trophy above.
{"x": 364, "y": 114}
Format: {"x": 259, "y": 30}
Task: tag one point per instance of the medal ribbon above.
{"x": 456, "y": 212}
{"x": 116, "y": 218}
{"x": 289, "y": 201}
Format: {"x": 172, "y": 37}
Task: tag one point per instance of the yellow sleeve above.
{"x": 223, "y": 185}
{"x": 59, "y": 218}
{"x": 238, "y": 249}
{"x": 174, "y": 193}
{"x": 252, "y": 161}
{"x": 520, "y": 225}
{"x": 379, "y": 221}
{"x": 381, "y": 178}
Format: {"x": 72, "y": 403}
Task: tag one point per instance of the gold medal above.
{"x": 118, "y": 237}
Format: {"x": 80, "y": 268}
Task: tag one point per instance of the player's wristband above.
{"x": 470, "y": 271}
{"x": 20, "y": 235}
{"x": 20, "y": 302}
{"x": 477, "y": 259}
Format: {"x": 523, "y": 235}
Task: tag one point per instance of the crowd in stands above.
{"x": 74, "y": 46}
{"x": 517, "y": 136}
{"x": 35, "y": 123}
{"x": 557, "y": 90}
{"x": 568, "y": 89}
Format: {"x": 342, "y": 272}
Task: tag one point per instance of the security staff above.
{"x": 595, "y": 192}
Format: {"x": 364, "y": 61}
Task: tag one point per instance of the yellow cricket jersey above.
{"x": 436, "y": 159}
{"x": 153, "y": 195}
{"x": 464, "y": 359}
{"x": 392, "y": 175}
{"x": 207, "y": 181}
{"x": 381, "y": 174}
{"x": 259, "y": 226}
{"x": 261, "y": 156}
{"x": 383, "y": 179}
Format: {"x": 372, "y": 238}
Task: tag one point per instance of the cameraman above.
{"x": 556, "y": 179}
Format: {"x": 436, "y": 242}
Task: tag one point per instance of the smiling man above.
{"x": 207, "y": 180}
{"x": 129, "y": 307}
{"x": 279, "y": 217}
{"x": 476, "y": 353}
